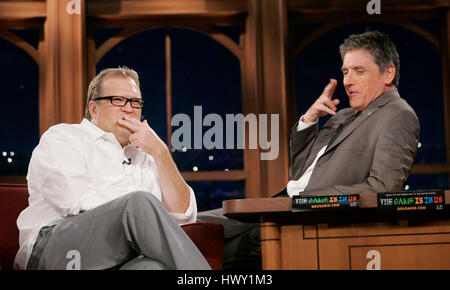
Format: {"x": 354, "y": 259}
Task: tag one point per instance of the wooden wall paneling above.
{"x": 168, "y": 87}
{"x": 401, "y": 245}
{"x": 270, "y": 244}
{"x": 130, "y": 8}
{"x": 251, "y": 75}
{"x": 274, "y": 50}
{"x": 73, "y": 62}
{"x": 291, "y": 83}
{"x": 331, "y": 6}
{"x": 299, "y": 247}
{"x": 49, "y": 70}
{"x": 17, "y": 10}
{"x": 63, "y": 68}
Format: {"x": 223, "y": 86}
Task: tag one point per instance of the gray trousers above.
{"x": 242, "y": 241}
{"x": 134, "y": 231}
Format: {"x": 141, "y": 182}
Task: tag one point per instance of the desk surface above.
{"x": 250, "y": 209}
{"x": 346, "y": 239}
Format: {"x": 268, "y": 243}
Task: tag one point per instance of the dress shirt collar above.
{"x": 96, "y": 133}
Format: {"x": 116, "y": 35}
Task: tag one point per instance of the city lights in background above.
{"x": 11, "y": 154}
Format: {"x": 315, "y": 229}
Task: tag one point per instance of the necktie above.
{"x": 342, "y": 126}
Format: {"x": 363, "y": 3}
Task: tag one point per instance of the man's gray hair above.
{"x": 95, "y": 85}
{"x": 379, "y": 46}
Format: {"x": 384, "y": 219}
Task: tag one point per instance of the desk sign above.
{"x": 411, "y": 201}
{"x": 328, "y": 202}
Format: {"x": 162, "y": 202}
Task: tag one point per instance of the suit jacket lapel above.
{"x": 371, "y": 109}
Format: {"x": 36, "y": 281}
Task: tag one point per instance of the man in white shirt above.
{"x": 106, "y": 193}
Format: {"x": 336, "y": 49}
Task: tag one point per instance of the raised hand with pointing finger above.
{"x": 324, "y": 105}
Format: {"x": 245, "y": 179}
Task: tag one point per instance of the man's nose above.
{"x": 348, "y": 79}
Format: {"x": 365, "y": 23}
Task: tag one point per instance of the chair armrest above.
{"x": 209, "y": 239}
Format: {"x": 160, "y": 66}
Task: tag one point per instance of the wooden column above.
{"x": 168, "y": 42}
{"x": 48, "y": 72}
{"x": 251, "y": 96}
{"x": 273, "y": 47}
{"x": 291, "y": 74}
{"x": 63, "y": 67}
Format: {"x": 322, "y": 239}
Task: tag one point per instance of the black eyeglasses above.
{"x": 120, "y": 101}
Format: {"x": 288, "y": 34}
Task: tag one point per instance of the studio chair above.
{"x": 207, "y": 236}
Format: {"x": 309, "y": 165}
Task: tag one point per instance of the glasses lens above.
{"x": 137, "y": 103}
{"x": 118, "y": 101}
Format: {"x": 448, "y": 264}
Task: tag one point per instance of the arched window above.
{"x": 145, "y": 53}
{"x": 186, "y": 72}
{"x": 19, "y": 110}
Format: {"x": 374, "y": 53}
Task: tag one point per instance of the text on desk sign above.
{"x": 303, "y": 202}
{"x": 432, "y": 200}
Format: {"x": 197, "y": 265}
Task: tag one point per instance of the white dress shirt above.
{"x": 295, "y": 187}
{"x": 77, "y": 167}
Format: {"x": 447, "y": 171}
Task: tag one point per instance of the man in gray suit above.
{"x": 369, "y": 147}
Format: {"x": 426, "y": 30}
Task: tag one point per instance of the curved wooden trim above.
{"x": 130, "y": 31}
{"x": 114, "y": 40}
{"x": 19, "y": 42}
{"x": 221, "y": 38}
{"x": 328, "y": 26}
{"x": 420, "y": 31}
{"x": 316, "y": 34}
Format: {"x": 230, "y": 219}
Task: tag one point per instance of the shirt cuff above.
{"x": 91, "y": 200}
{"x": 302, "y": 125}
{"x": 190, "y": 215}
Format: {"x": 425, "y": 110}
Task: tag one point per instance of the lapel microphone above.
{"x": 127, "y": 162}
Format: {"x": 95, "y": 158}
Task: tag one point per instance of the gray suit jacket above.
{"x": 372, "y": 154}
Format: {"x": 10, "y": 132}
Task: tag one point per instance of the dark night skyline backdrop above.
{"x": 205, "y": 73}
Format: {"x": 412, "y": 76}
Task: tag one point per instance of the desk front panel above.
{"x": 379, "y": 245}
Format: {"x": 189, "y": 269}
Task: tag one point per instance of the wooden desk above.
{"x": 354, "y": 239}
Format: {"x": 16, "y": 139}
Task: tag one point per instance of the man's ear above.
{"x": 93, "y": 110}
{"x": 389, "y": 75}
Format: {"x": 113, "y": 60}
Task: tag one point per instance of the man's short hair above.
{"x": 95, "y": 85}
{"x": 379, "y": 46}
